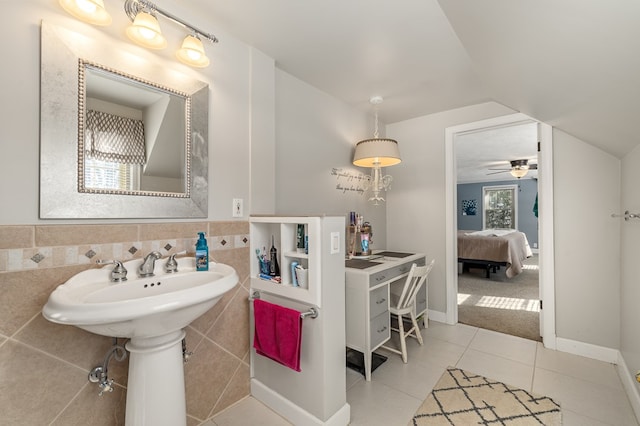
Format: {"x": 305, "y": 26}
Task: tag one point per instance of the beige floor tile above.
{"x": 579, "y": 367}
{"x": 494, "y": 367}
{"x": 605, "y": 404}
{"x": 570, "y": 418}
{"x": 353, "y": 377}
{"x": 436, "y": 353}
{"x": 374, "y": 403}
{"x": 505, "y": 346}
{"x": 459, "y": 334}
{"x": 82, "y": 409}
{"x": 398, "y": 389}
{"x": 49, "y": 383}
{"x": 411, "y": 378}
{"x": 249, "y": 411}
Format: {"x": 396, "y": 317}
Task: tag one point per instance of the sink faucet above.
{"x": 119, "y": 272}
{"x": 146, "y": 269}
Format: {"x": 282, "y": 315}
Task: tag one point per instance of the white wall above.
{"x": 587, "y": 242}
{"x": 586, "y": 190}
{"x": 416, "y": 205}
{"x": 234, "y": 70}
{"x": 316, "y": 133}
{"x": 630, "y": 288}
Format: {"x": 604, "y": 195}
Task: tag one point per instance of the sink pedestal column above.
{"x": 155, "y": 390}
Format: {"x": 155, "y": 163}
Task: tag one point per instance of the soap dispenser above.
{"x": 202, "y": 253}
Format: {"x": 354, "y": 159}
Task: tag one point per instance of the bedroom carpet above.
{"x": 463, "y": 398}
{"x": 506, "y": 305}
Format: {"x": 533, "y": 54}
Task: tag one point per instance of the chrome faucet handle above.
{"x": 172, "y": 264}
{"x": 119, "y": 272}
{"x": 148, "y": 264}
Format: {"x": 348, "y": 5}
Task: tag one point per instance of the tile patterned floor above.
{"x": 589, "y": 391}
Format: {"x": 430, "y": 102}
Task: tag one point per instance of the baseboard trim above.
{"x": 294, "y": 413}
{"x": 629, "y": 384}
{"x": 438, "y": 316}
{"x": 588, "y": 350}
{"x": 612, "y": 356}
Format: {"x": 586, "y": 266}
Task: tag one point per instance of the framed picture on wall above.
{"x": 469, "y": 207}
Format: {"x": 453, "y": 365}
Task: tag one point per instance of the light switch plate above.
{"x": 335, "y": 242}
{"x": 237, "y": 207}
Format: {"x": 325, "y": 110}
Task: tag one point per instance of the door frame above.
{"x": 545, "y": 223}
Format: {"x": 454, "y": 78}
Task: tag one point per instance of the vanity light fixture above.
{"x": 377, "y": 153}
{"x": 145, "y": 28}
{"x": 192, "y": 51}
{"x": 90, "y": 11}
{"x": 145, "y": 31}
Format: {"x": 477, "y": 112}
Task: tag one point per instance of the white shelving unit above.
{"x": 317, "y": 394}
{"x": 283, "y": 230}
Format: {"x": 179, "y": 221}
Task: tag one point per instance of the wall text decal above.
{"x": 350, "y": 180}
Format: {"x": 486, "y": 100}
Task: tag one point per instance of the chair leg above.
{"x": 416, "y": 329}
{"x": 403, "y": 343}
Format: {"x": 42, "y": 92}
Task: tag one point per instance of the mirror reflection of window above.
{"x": 114, "y": 151}
{"x": 134, "y": 123}
{"x": 111, "y": 175}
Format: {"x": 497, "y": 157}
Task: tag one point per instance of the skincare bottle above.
{"x": 274, "y": 269}
{"x": 202, "y": 253}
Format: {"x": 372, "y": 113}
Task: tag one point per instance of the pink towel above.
{"x": 278, "y": 333}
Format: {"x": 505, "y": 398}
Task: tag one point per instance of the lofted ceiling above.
{"x": 573, "y": 64}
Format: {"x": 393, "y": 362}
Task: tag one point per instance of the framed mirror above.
{"x": 120, "y": 138}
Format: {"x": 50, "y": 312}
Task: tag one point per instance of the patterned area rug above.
{"x": 463, "y": 398}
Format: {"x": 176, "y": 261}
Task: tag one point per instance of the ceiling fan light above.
{"x": 518, "y": 172}
{"x": 90, "y": 11}
{"x": 145, "y": 31}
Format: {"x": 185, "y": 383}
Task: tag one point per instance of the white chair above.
{"x": 403, "y": 303}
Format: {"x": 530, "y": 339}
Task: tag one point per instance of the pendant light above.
{"x": 377, "y": 153}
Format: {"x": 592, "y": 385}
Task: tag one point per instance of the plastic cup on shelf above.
{"x": 301, "y": 276}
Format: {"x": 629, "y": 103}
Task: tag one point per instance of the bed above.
{"x": 491, "y": 249}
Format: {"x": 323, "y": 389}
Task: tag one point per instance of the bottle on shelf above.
{"x": 351, "y": 235}
{"x": 274, "y": 269}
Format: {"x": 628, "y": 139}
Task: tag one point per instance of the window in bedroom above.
{"x": 500, "y": 207}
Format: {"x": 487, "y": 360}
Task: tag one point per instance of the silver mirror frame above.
{"x": 61, "y": 52}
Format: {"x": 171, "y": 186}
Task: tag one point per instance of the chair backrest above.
{"x": 416, "y": 278}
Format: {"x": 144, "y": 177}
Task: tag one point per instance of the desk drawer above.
{"x": 396, "y": 271}
{"x": 378, "y": 301}
{"x": 380, "y": 329}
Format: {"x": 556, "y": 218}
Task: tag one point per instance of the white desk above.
{"x": 367, "y": 299}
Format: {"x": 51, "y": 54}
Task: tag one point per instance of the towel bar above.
{"x": 312, "y": 312}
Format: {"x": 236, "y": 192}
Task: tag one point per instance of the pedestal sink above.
{"x": 152, "y": 312}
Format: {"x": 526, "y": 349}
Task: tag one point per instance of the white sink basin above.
{"x": 139, "y": 307}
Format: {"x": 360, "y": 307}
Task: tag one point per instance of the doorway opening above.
{"x": 538, "y": 230}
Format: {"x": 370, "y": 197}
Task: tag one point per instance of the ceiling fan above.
{"x": 519, "y": 168}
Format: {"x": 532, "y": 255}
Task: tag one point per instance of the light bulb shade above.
{"x": 380, "y": 152}
{"x": 520, "y": 171}
{"x": 91, "y": 11}
{"x": 145, "y": 30}
{"x": 192, "y": 52}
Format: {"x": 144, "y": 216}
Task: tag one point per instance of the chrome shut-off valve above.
{"x": 98, "y": 376}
